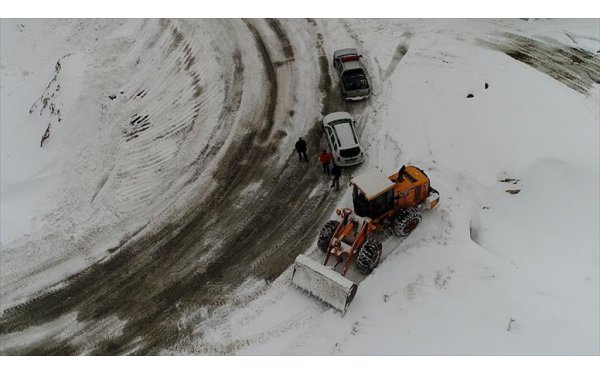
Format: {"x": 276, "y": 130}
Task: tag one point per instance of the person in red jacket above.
{"x": 325, "y": 159}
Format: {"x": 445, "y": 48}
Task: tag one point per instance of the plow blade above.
{"x": 323, "y": 282}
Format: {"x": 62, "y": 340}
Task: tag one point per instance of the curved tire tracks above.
{"x": 151, "y": 282}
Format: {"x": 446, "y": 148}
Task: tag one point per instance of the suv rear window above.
{"x": 358, "y": 73}
{"x": 355, "y": 80}
{"x": 350, "y": 152}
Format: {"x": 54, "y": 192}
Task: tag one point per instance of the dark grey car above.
{"x": 353, "y": 75}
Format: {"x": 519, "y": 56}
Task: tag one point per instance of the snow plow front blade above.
{"x": 323, "y": 283}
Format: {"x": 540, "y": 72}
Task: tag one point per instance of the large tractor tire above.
{"x": 326, "y": 233}
{"x": 369, "y": 256}
{"x": 404, "y": 224}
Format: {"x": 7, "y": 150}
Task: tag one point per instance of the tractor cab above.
{"x": 373, "y": 193}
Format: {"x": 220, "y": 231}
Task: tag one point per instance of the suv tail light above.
{"x": 349, "y": 58}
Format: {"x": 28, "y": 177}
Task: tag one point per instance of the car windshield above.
{"x": 350, "y": 152}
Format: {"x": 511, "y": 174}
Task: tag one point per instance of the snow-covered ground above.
{"x": 487, "y": 272}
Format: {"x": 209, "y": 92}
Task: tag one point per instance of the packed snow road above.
{"x": 169, "y": 194}
{"x": 251, "y": 210}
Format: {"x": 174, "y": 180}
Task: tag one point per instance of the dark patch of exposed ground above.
{"x": 332, "y": 99}
{"x": 271, "y": 79}
{"x": 234, "y": 87}
{"x": 286, "y": 46}
{"x": 152, "y": 282}
{"x": 396, "y": 58}
{"x": 45, "y": 347}
{"x": 574, "y": 67}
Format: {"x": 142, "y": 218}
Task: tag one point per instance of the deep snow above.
{"x": 488, "y": 272}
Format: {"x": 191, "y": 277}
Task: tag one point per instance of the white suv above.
{"x": 342, "y": 139}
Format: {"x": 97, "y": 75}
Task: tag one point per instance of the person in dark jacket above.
{"x": 301, "y": 149}
{"x": 336, "y": 172}
{"x": 325, "y": 159}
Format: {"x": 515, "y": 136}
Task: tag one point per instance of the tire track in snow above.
{"x": 331, "y": 98}
{"x": 162, "y": 141}
{"x": 271, "y": 81}
{"x": 574, "y": 67}
{"x": 331, "y": 101}
{"x": 286, "y": 46}
{"x": 149, "y": 281}
{"x": 401, "y": 50}
{"x": 234, "y": 87}
{"x": 29, "y": 307}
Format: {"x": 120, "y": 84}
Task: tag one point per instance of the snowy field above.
{"x": 485, "y": 257}
{"x": 169, "y": 180}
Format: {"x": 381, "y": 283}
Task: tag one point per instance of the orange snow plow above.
{"x": 395, "y": 202}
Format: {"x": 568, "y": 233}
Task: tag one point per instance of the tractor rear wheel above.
{"x": 326, "y": 233}
{"x": 369, "y": 256}
{"x": 406, "y": 222}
